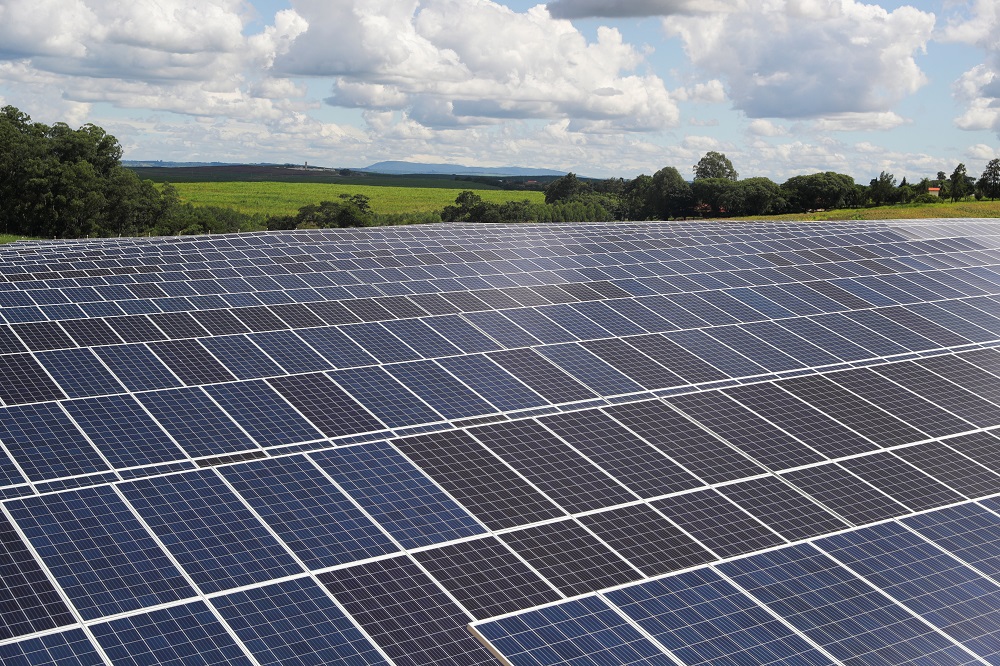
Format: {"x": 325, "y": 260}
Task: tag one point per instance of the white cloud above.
{"x": 982, "y": 152}
{"x": 571, "y": 9}
{"x": 860, "y": 122}
{"x": 809, "y": 58}
{"x": 469, "y": 62}
{"x": 978, "y": 88}
{"x": 762, "y": 127}
{"x": 709, "y": 92}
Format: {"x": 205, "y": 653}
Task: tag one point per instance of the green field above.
{"x": 287, "y": 198}
{"x": 947, "y": 209}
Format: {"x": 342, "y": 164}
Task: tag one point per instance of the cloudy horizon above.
{"x": 599, "y": 87}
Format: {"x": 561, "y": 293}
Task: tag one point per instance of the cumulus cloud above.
{"x": 763, "y": 127}
{"x": 711, "y": 92}
{"x": 860, "y": 122}
{"x": 809, "y": 58}
{"x": 575, "y": 9}
{"x": 978, "y": 88}
{"x": 464, "y": 62}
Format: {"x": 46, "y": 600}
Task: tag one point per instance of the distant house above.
{"x": 936, "y": 191}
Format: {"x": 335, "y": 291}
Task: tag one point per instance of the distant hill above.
{"x": 393, "y": 167}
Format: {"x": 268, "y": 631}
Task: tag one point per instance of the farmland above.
{"x": 948, "y": 209}
{"x": 283, "y": 198}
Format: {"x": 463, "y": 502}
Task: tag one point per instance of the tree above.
{"x": 958, "y": 183}
{"x": 882, "y": 190}
{"x": 989, "y": 182}
{"x": 671, "y": 193}
{"x": 715, "y": 165}
{"x": 753, "y": 196}
{"x": 819, "y": 191}
{"x": 564, "y": 189}
{"x": 709, "y": 194}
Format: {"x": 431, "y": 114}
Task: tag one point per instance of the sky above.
{"x": 599, "y": 87}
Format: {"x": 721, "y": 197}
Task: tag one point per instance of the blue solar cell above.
{"x": 195, "y": 422}
{"x": 188, "y": 634}
{"x": 137, "y": 367}
{"x": 582, "y": 632}
{"x": 492, "y": 382}
{"x": 823, "y": 337}
{"x": 397, "y": 495}
{"x": 244, "y": 359}
{"x": 576, "y": 323}
{"x": 295, "y": 623}
{"x": 877, "y": 345}
{"x": 123, "y": 431}
{"x": 608, "y": 318}
{"x": 950, "y": 595}
{"x": 422, "y": 338}
{"x": 501, "y": 329}
{"x": 380, "y": 343}
{"x": 68, "y": 648}
{"x": 289, "y": 351}
{"x": 385, "y": 397}
{"x": 79, "y": 373}
{"x": 750, "y": 346}
{"x": 209, "y": 531}
{"x": 703, "y": 619}
{"x": 336, "y": 347}
{"x": 46, "y": 444}
{"x": 264, "y": 414}
{"x": 715, "y": 353}
{"x": 771, "y": 302}
{"x": 802, "y": 350}
{"x": 102, "y": 556}
{"x": 440, "y": 390}
{"x": 537, "y": 324}
{"x": 589, "y": 369}
{"x": 838, "y": 611}
{"x": 321, "y": 526}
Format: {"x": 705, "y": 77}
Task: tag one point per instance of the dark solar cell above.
{"x": 289, "y": 351}
{"x": 188, "y": 634}
{"x": 100, "y": 554}
{"x": 385, "y": 397}
{"x": 782, "y": 508}
{"x": 440, "y": 390}
{"x": 266, "y": 417}
{"x": 843, "y": 297}
{"x": 321, "y": 401}
{"x": 685, "y": 442}
{"x": 462, "y": 334}
{"x": 891, "y": 330}
{"x": 607, "y": 318}
{"x": 717, "y": 523}
{"x": 582, "y": 631}
{"x": 427, "y": 626}
{"x": 901, "y": 481}
{"x": 801, "y": 420}
{"x": 949, "y": 595}
{"x": 877, "y": 345}
{"x": 477, "y": 479}
{"x": 123, "y": 431}
{"x": 382, "y": 344}
{"x": 646, "y": 539}
{"x": 540, "y": 326}
{"x": 295, "y": 623}
{"x": 195, "y": 422}
{"x": 43, "y": 335}
{"x": 859, "y": 415}
{"x": 219, "y": 322}
{"x": 135, "y": 329}
{"x": 178, "y": 325}
{"x": 846, "y": 495}
{"x": 191, "y": 362}
{"x": 209, "y": 531}
{"x": 403, "y": 501}
{"x": 435, "y": 304}
{"x": 633, "y": 363}
{"x": 333, "y": 312}
{"x": 967, "y": 404}
{"x": 259, "y": 319}
{"x": 492, "y": 382}
{"x": 336, "y": 347}
{"x": 641, "y": 315}
{"x": 89, "y": 332}
{"x": 591, "y": 370}
{"x": 241, "y": 357}
{"x": 486, "y": 577}
{"x": 705, "y": 620}
{"x": 752, "y": 347}
{"x": 825, "y": 338}
{"x": 46, "y": 444}
{"x": 30, "y": 603}
{"x": 581, "y": 292}
{"x": 79, "y": 372}
{"x": 959, "y": 369}
{"x": 842, "y": 614}
{"x": 556, "y": 469}
{"x": 951, "y": 468}
{"x": 297, "y": 315}
{"x": 502, "y": 329}
{"x": 554, "y": 294}
{"x": 983, "y": 447}
{"x": 9, "y": 343}
{"x": 368, "y": 309}
{"x": 613, "y": 447}
{"x": 790, "y": 343}
{"x": 303, "y": 507}
{"x": 570, "y": 557}
{"x": 137, "y": 367}
{"x": 968, "y": 531}
{"x": 729, "y": 361}
{"x": 928, "y": 329}
{"x": 67, "y": 648}
{"x": 549, "y": 381}
{"x": 745, "y": 430}
{"x": 421, "y": 338}
{"x": 676, "y": 359}
{"x": 400, "y": 306}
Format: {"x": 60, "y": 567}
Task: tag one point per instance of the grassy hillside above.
{"x": 898, "y": 212}
{"x": 286, "y": 198}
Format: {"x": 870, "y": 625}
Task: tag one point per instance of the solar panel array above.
{"x": 625, "y": 443}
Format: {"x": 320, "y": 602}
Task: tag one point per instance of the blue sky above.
{"x": 600, "y": 87}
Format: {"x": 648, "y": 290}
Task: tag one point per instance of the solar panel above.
{"x": 688, "y": 442}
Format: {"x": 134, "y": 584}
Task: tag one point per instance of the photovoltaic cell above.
{"x": 46, "y": 444}
{"x": 546, "y": 379}
{"x": 321, "y": 401}
{"x": 191, "y": 362}
{"x": 320, "y": 525}
{"x": 717, "y": 523}
{"x": 845, "y": 494}
{"x": 137, "y": 368}
{"x": 263, "y": 413}
{"x": 904, "y": 483}
{"x": 123, "y": 431}
{"x": 67, "y": 648}
{"x": 79, "y": 373}
{"x": 336, "y": 347}
{"x": 439, "y": 389}
{"x": 195, "y": 422}
{"x": 386, "y": 398}
{"x": 23, "y": 380}
{"x": 492, "y": 382}
{"x": 782, "y": 508}
{"x": 427, "y": 627}
{"x": 634, "y": 363}
{"x": 397, "y": 495}
{"x": 583, "y": 631}
{"x": 100, "y": 554}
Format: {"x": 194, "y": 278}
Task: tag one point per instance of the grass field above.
{"x": 898, "y": 212}
{"x": 287, "y": 198}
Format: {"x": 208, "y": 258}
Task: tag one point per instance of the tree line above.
{"x": 59, "y": 182}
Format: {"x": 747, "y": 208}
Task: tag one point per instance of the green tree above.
{"x": 819, "y": 191}
{"x": 958, "y": 184}
{"x": 989, "y": 181}
{"x": 564, "y": 189}
{"x": 709, "y": 194}
{"x": 753, "y": 196}
{"x": 882, "y": 190}
{"x": 671, "y": 194}
{"x": 715, "y": 165}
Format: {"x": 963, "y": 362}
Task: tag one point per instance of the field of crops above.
{"x": 287, "y": 198}
{"x": 947, "y": 209}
